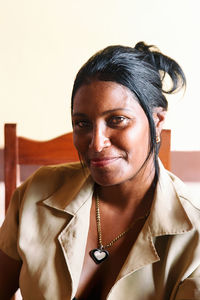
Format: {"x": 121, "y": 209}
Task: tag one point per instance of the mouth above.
{"x": 102, "y": 162}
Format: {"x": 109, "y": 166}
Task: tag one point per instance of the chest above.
{"x": 96, "y": 280}
{"x": 144, "y": 274}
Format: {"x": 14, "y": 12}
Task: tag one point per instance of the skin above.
{"x": 111, "y": 133}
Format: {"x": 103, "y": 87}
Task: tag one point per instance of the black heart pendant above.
{"x": 99, "y": 255}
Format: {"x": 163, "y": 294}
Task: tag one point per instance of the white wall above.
{"x": 44, "y": 42}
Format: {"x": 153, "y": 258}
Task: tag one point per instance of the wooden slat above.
{"x": 61, "y": 149}
{"x": 10, "y": 161}
{"x": 24, "y": 151}
{"x": 55, "y": 151}
{"x": 165, "y": 153}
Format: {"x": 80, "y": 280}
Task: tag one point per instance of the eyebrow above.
{"x": 104, "y": 113}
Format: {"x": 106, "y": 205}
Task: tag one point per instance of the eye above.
{"x": 81, "y": 124}
{"x": 118, "y": 121}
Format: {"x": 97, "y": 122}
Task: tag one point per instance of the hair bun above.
{"x": 141, "y": 46}
{"x": 165, "y": 64}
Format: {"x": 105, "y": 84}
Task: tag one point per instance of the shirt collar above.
{"x": 79, "y": 188}
{"x": 167, "y": 213}
{"x": 167, "y": 217}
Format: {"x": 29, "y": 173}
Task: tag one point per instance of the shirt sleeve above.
{"x": 9, "y": 229}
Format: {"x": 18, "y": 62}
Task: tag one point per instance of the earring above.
{"x": 157, "y": 139}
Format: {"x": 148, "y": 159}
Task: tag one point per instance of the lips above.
{"x": 103, "y": 161}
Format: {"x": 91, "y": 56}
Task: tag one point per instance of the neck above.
{"x": 135, "y": 194}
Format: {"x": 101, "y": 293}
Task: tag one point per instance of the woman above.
{"x": 117, "y": 226}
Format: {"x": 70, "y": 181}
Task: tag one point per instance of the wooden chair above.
{"x": 22, "y": 151}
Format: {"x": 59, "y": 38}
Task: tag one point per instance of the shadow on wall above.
{"x": 186, "y": 165}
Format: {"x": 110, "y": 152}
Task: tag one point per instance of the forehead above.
{"x": 104, "y": 95}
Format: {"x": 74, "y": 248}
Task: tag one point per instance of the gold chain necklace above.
{"x": 100, "y": 254}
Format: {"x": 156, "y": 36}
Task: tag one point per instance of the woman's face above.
{"x": 111, "y": 132}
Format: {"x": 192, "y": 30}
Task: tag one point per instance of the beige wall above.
{"x": 44, "y": 42}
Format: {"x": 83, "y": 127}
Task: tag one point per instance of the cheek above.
{"x": 80, "y": 143}
{"x": 76, "y": 142}
{"x": 137, "y": 142}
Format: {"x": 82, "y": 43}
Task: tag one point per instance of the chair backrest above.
{"x": 22, "y": 151}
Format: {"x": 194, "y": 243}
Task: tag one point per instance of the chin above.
{"x": 107, "y": 179}
{"x": 103, "y": 183}
{"x": 103, "y": 179}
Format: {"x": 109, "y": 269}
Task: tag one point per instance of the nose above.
{"x": 99, "y": 140}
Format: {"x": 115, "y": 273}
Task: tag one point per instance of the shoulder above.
{"x": 48, "y": 179}
{"x": 184, "y": 192}
{"x": 188, "y": 198}
{"x": 56, "y": 172}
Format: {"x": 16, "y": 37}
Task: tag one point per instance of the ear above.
{"x": 159, "y": 115}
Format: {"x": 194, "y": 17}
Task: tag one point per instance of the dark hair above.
{"x": 142, "y": 70}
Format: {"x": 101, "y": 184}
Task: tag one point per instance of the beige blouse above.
{"x": 47, "y": 225}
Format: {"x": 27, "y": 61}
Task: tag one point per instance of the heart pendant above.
{"x": 99, "y": 255}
